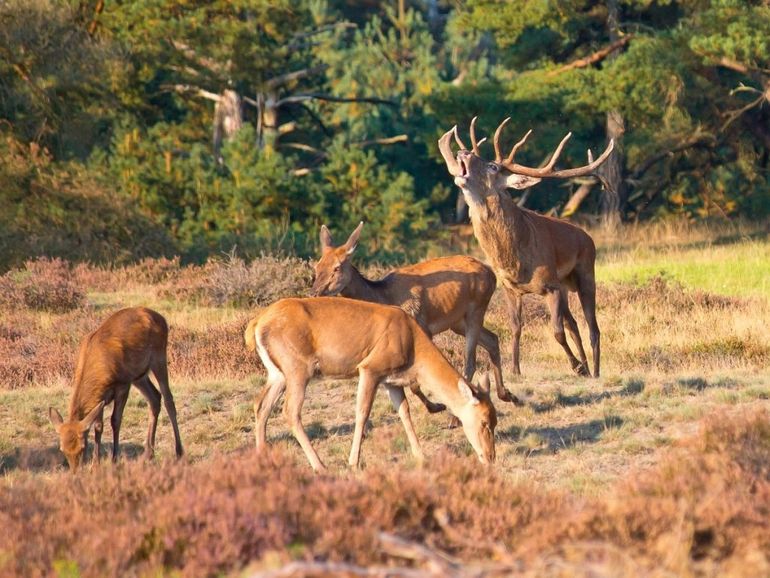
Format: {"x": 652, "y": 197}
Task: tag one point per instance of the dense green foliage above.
{"x": 118, "y": 143}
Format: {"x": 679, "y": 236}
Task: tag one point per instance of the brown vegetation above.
{"x": 702, "y": 511}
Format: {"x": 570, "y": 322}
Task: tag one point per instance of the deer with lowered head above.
{"x": 530, "y": 253}
{"x": 336, "y": 337}
{"x": 122, "y": 351}
{"x": 440, "y": 294}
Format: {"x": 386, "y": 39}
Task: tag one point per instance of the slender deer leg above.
{"x": 553, "y": 298}
{"x": 587, "y": 295}
{"x": 152, "y": 395}
{"x": 160, "y": 371}
{"x": 121, "y": 396}
{"x": 431, "y": 406}
{"x": 398, "y": 399}
{"x": 489, "y": 341}
{"x": 367, "y": 386}
{"x": 263, "y": 406}
{"x": 513, "y": 301}
{"x": 98, "y": 429}
{"x": 574, "y": 332}
{"x": 295, "y": 397}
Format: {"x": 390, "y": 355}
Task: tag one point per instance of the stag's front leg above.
{"x": 553, "y": 298}
{"x": 398, "y": 399}
{"x": 513, "y": 302}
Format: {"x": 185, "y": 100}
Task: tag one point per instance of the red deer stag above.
{"x": 440, "y": 294}
{"x": 121, "y": 351}
{"x": 530, "y": 253}
{"x": 336, "y": 337}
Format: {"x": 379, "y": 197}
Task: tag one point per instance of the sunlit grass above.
{"x": 739, "y": 269}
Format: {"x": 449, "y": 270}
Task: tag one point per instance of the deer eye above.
{"x": 492, "y": 168}
{"x": 337, "y": 268}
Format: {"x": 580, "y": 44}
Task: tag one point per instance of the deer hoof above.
{"x": 436, "y": 408}
{"x": 582, "y": 370}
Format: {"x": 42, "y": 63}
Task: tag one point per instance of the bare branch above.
{"x": 327, "y": 97}
{"x": 208, "y": 63}
{"x": 699, "y": 140}
{"x": 593, "y": 58}
{"x": 383, "y": 141}
{"x": 188, "y": 88}
{"x": 277, "y": 81}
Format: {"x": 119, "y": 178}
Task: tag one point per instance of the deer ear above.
{"x": 467, "y": 392}
{"x": 85, "y": 423}
{"x": 352, "y": 241}
{"x": 515, "y": 181}
{"x": 326, "y": 238}
{"x": 55, "y": 417}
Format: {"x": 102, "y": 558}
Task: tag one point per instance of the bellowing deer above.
{"x": 530, "y": 253}
{"x": 121, "y": 351}
{"x": 440, "y": 294}
{"x": 297, "y": 339}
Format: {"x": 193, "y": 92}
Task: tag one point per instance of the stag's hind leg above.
{"x": 587, "y": 294}
{"x": 263, "y": 406}
{"x": 553, "y": 298}
{"x": 574, "y": 332}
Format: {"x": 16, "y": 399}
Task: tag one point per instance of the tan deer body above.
{"x": 440, "y": 294}
{"x": 298, "y": 339}
{"x": 123, "y": 350}
{"x": 530, "y": 253}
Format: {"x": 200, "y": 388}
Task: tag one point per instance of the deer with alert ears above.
{"x": 530, "y": 253}
{"x": 123, "y": 350}
{"x": 335, "y": 337}
{"x": 440, "y": 294}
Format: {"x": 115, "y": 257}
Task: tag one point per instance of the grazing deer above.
{"x": 337, "y": 337}
{"x": 121, "y": 351}
{"x": 530, "y": 253}
{"x": 440, "y": 294}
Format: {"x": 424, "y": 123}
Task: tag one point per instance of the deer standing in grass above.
{"x": 440, "y": 294}
{"x": 123, "y": 350}
{"x": 335, "y": 337}
{"x": 530, "y": 253}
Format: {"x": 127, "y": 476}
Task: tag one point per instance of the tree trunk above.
{"x": 614, "y": 196}
{"x": 228, "y": 119}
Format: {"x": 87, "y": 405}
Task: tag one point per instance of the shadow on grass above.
{"x": 50, "y": 458}
{"x": 632, "y": 387}
{"x": 553, "y": 439}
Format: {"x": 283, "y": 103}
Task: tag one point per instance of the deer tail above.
{"x": 249, "y": 335}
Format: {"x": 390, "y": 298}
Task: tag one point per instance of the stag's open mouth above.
{"x": 463, "y": 168}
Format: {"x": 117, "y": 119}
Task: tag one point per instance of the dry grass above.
{"x": 592, "y": 477}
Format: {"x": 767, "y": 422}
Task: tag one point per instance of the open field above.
{"x": 660, "y": 467}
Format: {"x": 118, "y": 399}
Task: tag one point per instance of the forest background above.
{"x": 147, "y": 128}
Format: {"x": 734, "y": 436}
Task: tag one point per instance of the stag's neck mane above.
{"x": 374, "y": 291}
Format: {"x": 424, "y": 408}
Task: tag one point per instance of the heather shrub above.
{"x": 31, "y": 354}
{"x": 218, "y": 351}
{"x": 233, "y": 282}
{"x": 148, "y": 271}
{"x": 43, "y": 284}
{"x": 704, "y": 508}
